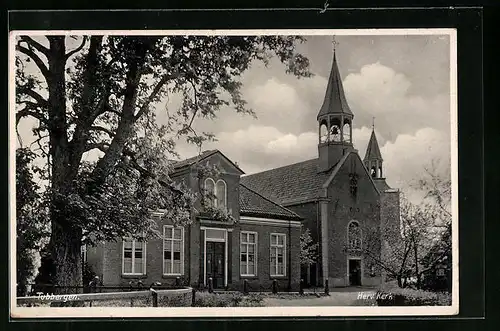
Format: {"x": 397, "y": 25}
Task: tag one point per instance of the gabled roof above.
{"x": 381, "y": 184}
{"x": 299, "y": 182}
{"x": 255, "y": 205}
{"x": 286, "y": 185}
{"x": 372, "y": 150}
{"x": 341, "y": 163}
{"x": 335, "y": 101}
{"x": 205, "y": 154}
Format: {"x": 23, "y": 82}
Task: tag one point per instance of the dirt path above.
{"x": 340, "y": 298}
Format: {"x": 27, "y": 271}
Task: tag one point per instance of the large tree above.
{"x": 101, "y": 95}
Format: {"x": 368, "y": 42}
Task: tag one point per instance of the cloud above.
{"x": 406, "y": 157}
{"x": 381, "y": 92}
{"x": 259, "y": 148}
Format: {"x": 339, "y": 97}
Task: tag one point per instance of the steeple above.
{"x": 335, "y": 101}
{"x": 373, "y": 158}
{"x": 334, "y": 121}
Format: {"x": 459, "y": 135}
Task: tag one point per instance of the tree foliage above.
{"x": 422, "y": 238}
{"x": 100, "y": 95}
{"x": 308, "y": 250}
{"x": 31, "y": 224}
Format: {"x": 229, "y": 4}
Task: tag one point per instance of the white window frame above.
{"x": 255, "y": 244}
{"x": 360, "y": 236}
{"x": 214, "y": 193}
{"x": 275, "y": 246}
{"x": 134, "y": 242}
{"x": 225, "y": 193}
{"x": 83, "y": 249}
{"x": 172, "y": 240}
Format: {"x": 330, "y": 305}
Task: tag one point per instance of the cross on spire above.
{"x": 334, "y": 43}
{"x": 373, "y": 123}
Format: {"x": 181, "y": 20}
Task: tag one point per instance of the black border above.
{"x": 468, "y": 22}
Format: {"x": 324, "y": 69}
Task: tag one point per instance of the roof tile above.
{"x": 254, "y": 204}
{"x": 288, "y": 184}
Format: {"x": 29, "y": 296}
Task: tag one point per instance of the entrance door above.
{"x": 215, "y": 263}
{"x": 354, "y": 272}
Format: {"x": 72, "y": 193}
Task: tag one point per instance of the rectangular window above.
{"x": 173, "y": 250}
{"x": 134, "y": 258}
{"x": 248, "y": 253}
{"x": 278, "y": 252}
{"x": 84, "y": 253}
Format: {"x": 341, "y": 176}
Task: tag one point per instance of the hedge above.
{"x": 411, "y": 297}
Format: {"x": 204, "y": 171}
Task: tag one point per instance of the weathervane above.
{"x": 373, "y": 123}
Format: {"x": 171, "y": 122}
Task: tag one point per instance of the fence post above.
{"x": 275, "y": 286}
{"x": 327, "y": 289}
{"x": 95, "y": 283}
{"x": 155, "y": 297}
{"x": 245, "y": 286}
{"x": 301, "y": 288}
{"x": 193, "y": 297}
{"x": 210, "y": 285}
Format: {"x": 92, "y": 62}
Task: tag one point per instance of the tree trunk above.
{"x": 65, "y": 239}
{"x": 65, "y": 247}
{"x": 415, "y": 251}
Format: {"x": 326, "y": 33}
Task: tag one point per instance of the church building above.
{"x": 249, "y": 229}
{"x": 344, "y": 200}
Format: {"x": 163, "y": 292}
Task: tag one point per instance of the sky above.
{"x": 400, "y": 83}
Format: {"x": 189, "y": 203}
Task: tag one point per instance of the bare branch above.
{"x": 195, "y": 92}
{"x": 29, "y": 110}
{"x": 32, "y": 55}
{"x": 102, "y": 129}
{"x": 153, "y": 94}
{"x": 39, "y": 143}
{"x": 76, "y": 50}
{"x": 35, "y": 95}
{"x": 39, "y": 47}
{"x": 103, "y": 147}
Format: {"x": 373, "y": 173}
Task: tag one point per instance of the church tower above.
{"x": 373, "y": 162}
{"x": 334, "y": 122}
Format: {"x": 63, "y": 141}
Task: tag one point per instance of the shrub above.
{"x": 409, "y": 297}
{"x": 176, "y": 300}
{"x": 205, "y": 299}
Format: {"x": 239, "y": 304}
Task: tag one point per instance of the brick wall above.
{"x": 310, "y": 213}
{"x": 341, "y": 210}
{"x": 263, "y": 280}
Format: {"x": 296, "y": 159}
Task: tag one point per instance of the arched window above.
{"x": 354, "y": 235}
{"x": 209, "y": 193}
{"x": 220, "y": 193}
{"x": 347, "y": 132}
{"x": 373, "y": 172}
{"x": 380, "y": 172}
{"x": 323, "y": 133}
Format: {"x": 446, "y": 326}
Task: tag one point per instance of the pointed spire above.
{"x": 373, "y": 151}
{"x": 335, "y": 101}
